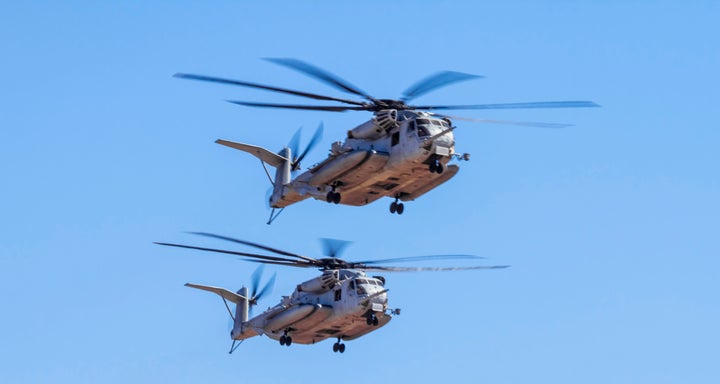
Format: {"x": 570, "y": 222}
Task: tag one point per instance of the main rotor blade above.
{"x": 334, "y": 247}
{"x": 256, "y": 245}
{"x": 431, "y": 269}
{"x": 305, "y": 107}
{"x": 262, "y": 86}
{"x": 315, "y": 139}
{"x": 298, "y": 264}
{"x": 260, "y": 257}
{"x": 540, "y": 104}
{"x": 507, "y": 122}
{"x": 420, "y": 258}
{"x": 320, "y": 74}
{"x": 438, "y": 80}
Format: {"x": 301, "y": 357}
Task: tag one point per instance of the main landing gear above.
{"x": 397, "y": 207}
{"x": 285, "y": 339}
{"x": 339, "y": 347}
{"x": 436, "y": 167}
{"x": 333, "y": 197}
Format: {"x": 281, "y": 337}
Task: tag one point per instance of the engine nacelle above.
{"x": 321, "y": 284}
{"x": 381, "y": 122}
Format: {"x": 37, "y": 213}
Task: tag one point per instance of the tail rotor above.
{"x": 255, "y": 293}
{"x": 294, "y": 146}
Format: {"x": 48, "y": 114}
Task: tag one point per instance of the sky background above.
{"x": 611, "y": 226}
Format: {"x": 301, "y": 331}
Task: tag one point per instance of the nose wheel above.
{"x": 339, "y": 347}
{"x": 396, "y": 207}
{"x": 372, "y": 320}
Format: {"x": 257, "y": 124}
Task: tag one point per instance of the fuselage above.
{"x": 376, "y": 161}
{"x": 339, "y": 304}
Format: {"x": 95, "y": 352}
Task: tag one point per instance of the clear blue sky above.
{"x": 612, "y": 227}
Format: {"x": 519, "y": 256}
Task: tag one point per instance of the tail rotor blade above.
{"x": 267, "y": 288}
{"x": 294, "y": 143}
{"x": 313, "y": 142}
{"x": 268, "y": 195}
{"x": 255, "y": 282}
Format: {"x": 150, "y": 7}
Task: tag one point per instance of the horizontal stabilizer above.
{"x": 222, "y": 292}
{"x": 263, "y": 154}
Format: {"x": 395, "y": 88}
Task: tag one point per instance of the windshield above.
{"x": 361, "y": 285}
{"x": 422, "y": 127}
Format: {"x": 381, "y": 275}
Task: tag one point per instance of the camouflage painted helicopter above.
{"x": 402, "y": 152}
{"x": 343, "y": 302}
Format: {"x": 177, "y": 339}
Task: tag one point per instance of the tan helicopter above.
{"x": 402, "y": 152}
{"x": 343, "y": 302}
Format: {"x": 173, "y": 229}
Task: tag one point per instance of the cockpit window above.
{"x": 422, "y": 121}
{"x": 360, "y": 286}
{"x": 422, "y": 131}
{"x": 435, "y": 122}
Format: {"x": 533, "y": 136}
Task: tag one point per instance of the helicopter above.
{"x": 402, "y": 152}
{"x": 343, "y": 302}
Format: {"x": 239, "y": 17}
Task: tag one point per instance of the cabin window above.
{"x": 411, "y": 125}
{"x": 352, "y": 285}
{"x": 395, "y": 139}
{"x": 338, "y": 295}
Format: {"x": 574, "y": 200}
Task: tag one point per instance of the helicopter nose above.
{"x": 447, "y": 140}
{"x": 380, "y": 297}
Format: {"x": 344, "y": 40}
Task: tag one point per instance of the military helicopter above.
{"x": 402, "y": 152}
{"x": 343, "y": 302}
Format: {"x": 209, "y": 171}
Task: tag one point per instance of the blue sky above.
{"x": 611, "y": 226}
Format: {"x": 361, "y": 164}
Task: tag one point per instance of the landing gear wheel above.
{"x": 375, "y": 321}
{"x": 433, "y": 166}
{"x": 336, "y": 198}
{"x": 329, "y": 197}
{"x": 393, "y": 207}
{"x": 338, "y": 346}
{"x": 283, "y": 340}
{"x": 400, "y": 208}
{"x": 439, "y": 169}
{"x": 288, "y": 341}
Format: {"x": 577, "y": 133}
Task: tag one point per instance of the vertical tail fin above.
{"x": 283, "y": 176}
{"x": 241, "y": 313}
